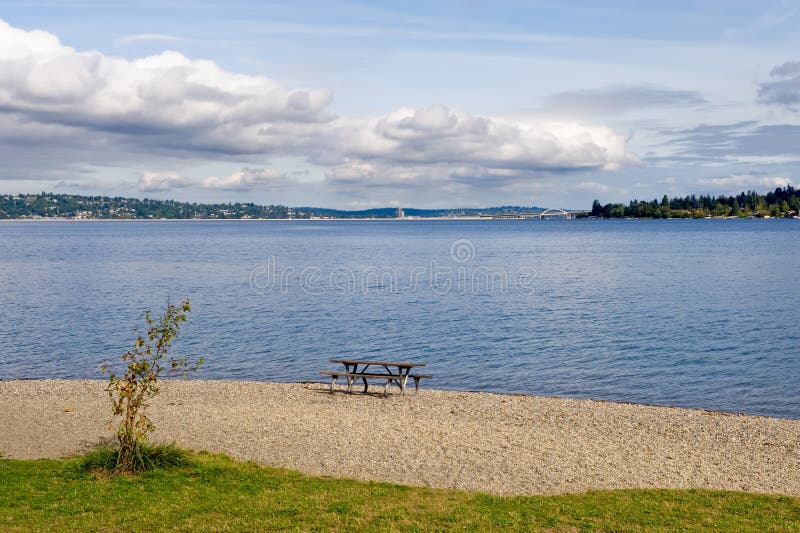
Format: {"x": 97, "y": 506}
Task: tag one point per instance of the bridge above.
{"x": 546, "y": 215}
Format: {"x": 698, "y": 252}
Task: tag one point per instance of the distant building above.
{"x": 400, "y": 213}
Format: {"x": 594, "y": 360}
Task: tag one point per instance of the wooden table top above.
{"x": 380, "y": 363}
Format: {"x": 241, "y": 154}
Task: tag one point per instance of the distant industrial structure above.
{"x": 400, "y": 213}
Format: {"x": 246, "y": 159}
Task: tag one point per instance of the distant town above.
{"x": 75, "y": 207}
{"x": 783, "y": 202}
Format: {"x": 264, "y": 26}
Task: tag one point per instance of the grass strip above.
{"x": 216, "y": 493}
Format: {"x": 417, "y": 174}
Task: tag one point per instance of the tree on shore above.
{"x": 779, "y": 203}
{"x": 130, "y": 391}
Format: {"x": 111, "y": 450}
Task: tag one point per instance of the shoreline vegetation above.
{"x": 783, "y": 202}
{"x": 780, "y": 203}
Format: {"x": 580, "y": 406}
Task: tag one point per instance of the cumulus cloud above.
{"x": 438, "y": 134}
{"x": 669, "y": 183}
{"x": 195, "y": 102}
{"x": 747, "y": 181}
{"x": 357, "y": 176}
{"x": 170, "y": 106}
{"x": 161, "y": 181}
{"x": 433, "y": 144}
{"x": 247, "y": 179}
{"x": 591, "y": 186}
{"x": 784, "y": 90}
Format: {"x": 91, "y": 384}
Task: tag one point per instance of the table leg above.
{"x": 403, "y": 381}
{"x": 389, "y": 381}
{"x": 366, "y": 385}
{"x": 350, "y": 379}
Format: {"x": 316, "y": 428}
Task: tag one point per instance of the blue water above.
{"x": 688, "y": 313}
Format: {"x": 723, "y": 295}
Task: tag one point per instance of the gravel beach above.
{"x": 504, "y": 444}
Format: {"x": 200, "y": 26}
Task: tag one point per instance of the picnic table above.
{"x": 390, "y": 371}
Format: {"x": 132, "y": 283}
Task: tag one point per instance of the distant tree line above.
{"x": 782, "y": 202}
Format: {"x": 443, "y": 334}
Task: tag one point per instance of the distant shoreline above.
{"x": 405, "y": 219}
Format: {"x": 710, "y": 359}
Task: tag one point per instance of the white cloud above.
{"x": 670, "y": 182}
{"x": 168, "y": 106}
{"x": 440, "y": 147}
{"x": 438, "y": 134}
{"x": 747, "y": 180}
{"x": 591, "y": 186}
{"x": 195, "y": 102}
{"x": 247, "y": 179}
{"x": 161, "y": 181}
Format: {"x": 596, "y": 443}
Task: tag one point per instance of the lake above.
{"x": 688, "y": 313}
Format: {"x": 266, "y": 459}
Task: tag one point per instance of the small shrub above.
{"x": 130, "y": 391}
{"x": 148, "y": 457}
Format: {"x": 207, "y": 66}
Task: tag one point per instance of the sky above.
{"x": 416, "y": 104}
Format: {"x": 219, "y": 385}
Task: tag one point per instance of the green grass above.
{"x": 216, "y": 493}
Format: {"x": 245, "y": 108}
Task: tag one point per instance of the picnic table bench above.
{"x": 393, "y": 372}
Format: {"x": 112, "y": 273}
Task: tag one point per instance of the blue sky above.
{"x": 363, "y": 104}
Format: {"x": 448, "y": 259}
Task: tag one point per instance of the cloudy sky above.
{"x": 429, "y": 104}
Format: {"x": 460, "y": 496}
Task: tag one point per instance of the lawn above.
{"x": 219, "y": 494}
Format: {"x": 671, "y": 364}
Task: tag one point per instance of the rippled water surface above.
{"x": 689, "y": 313}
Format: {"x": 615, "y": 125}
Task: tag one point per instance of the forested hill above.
{"x": 51, "y": 205}
{"x": 782, "y": 202}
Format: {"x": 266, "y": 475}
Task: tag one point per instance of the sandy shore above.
{"x": 488, "y": 442}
